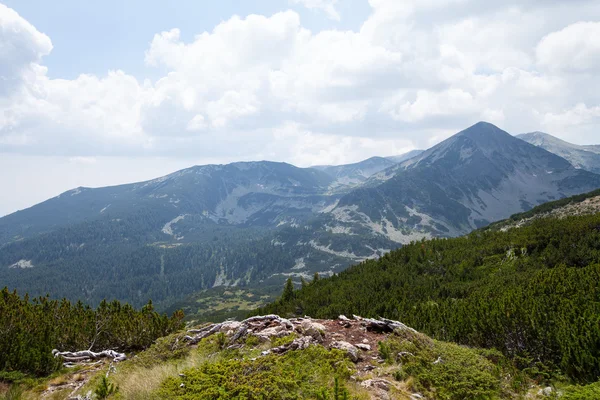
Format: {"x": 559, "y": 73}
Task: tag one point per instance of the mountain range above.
{"x": 254, "y": 224}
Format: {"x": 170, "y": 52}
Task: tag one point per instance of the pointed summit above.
{"x": 483, "y": 129}
{"x": 485, "y": 145}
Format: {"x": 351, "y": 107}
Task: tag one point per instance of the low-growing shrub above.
{"x": 587, "y": 392}
{"x": 284, "y": 340}
{"x": 166, "y": 348}
{"x": 252, "y": 341}
{"x": 448, "y": 371}
{"x": 296, "y": 374}
{"x": 105, "y": 388}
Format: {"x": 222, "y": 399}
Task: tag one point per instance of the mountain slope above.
{"x": 406, "y": 156}
{"x": 252, "y": 193}
{"x": 255, "y": 224}
{"x": 584, "y": 157}
{"x": 477, "y": 176}
{"x": 354, "y": 174}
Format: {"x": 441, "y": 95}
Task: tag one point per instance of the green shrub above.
{"x": 252, "y": 341}
{"x": 385, "y": 351}
{"x": 448, "y": 371}
{"x": 166, "y": 348}
{"x": 296, "y": 374}
{"x": 587, "y": 392}
{"x": 105, "y": 388}
{"x": 284, "y": 340}
{"x": 221, "y": 339}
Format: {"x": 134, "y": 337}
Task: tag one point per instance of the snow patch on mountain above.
{"x": 168, "y": 228}
{"x": 300, "y": 264}
{"x": 22, "y": 264}
{"x": 327, "y": 249}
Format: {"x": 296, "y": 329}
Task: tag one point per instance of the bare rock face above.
{"x": 274, "y": 331}
{"x": 313, "y": 329}
{"x": 362, "y": 346}
{"x": 350, "y": 350}
{"x": 230, "y": 327}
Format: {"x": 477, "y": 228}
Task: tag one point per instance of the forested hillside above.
{"x": 532, "y": 292}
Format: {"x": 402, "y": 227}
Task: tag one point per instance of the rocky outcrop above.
{"x": 350, "y": 350}
{"x": 313, "y": 329}
{"x": 340, "y": 334}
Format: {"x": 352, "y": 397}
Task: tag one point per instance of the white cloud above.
{"x": 21, "y": 47}
{"x": 580, "y": 114}
{"x": 452, "y": 102}
{"x": 415, "y": 72}
{"x": 83, "y": 160}
{"x": 574, "y": 48}
{"x": 327, "y": 6}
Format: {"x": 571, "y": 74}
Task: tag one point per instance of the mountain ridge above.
{"x": 585, "y": 157}
{"x": 255, "y": 224}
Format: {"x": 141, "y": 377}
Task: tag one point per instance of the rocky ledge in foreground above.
{"x": 357, "y": 337}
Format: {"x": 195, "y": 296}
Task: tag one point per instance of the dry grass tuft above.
{"x": 141, "y": 383}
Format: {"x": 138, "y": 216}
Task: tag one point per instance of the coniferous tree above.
{"x": 303, "y": 282}
{"x": 315, "y": 277}
{"x": 288, "y": 290}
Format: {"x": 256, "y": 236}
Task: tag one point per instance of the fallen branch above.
{"x": 87, "y": 355}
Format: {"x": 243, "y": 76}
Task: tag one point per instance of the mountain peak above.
{"x": 538, "y": 138}
{"x": 481, "y": 130}
{"x": 486, "y": 146}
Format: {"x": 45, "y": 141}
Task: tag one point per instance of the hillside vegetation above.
{"x": 531, "y": 292}
{"x": 298, "y": 359}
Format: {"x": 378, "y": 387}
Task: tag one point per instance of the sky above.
{"x": 103, "y": 93}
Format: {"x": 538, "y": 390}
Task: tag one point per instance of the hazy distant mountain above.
{"x": 252, "y": 193}
{"x": 584, "y": 157}
{"x": 354, "y": 174}
{"x": 257, "y": 223}
{"x": 406, "y": 156}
